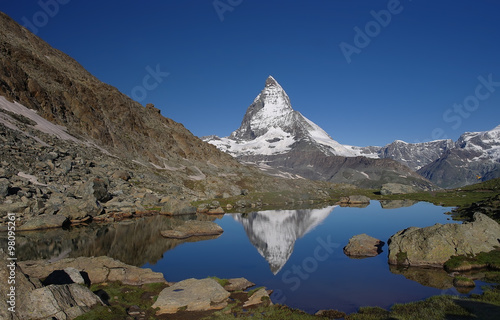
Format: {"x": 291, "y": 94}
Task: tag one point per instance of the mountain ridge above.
{"x": 273, "y": 135}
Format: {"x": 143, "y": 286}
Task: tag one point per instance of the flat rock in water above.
{"x": 363, "y": 245}
{"x": 195, "y": 295}
{"x": 98, "y": 269}
{"x": 193, "y": 228}
{"x": 433, "y": 246}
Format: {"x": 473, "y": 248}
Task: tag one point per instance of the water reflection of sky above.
{"x": 311, "y": 277}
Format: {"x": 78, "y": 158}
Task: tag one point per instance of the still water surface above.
{"x": 298, "y": 254}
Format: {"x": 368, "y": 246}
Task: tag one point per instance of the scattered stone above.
{"x": 44, "y": 221}
{"x": 194, "y": 295}
{"x": 434, "y": 245}
{"x": 97, "y": 188}
{"x": 4, "y": 187}
{"x": 244, "y": 192}
{"x": 76, "y": 209}
{"x": 193, "y": 228}
{"x": 397, "y": 188}
{"x": 121, "y": 174}
{"x": 238, "y": 284}
{"x": 363, "y": 245}
{"x": 259, "y": 297}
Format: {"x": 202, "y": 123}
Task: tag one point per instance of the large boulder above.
{"x": 76, "y": 209}
{"x": 62, "y": 302}
{"x": 98, "y": 269}
{"x": 194, "y": 295}
{"x": 192, "y": 228}
{"x": 434, "y": 245}
{"x": 362, "y": 245}
{"x": 97, "y": 188}
{"x": 397, "y": 188}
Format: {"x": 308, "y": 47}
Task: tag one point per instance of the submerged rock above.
{"x": 434, "y": 245}
{"x": 362, "y": 245}
{"x": 194, "y": 295}
{"x": 193, "y": 228}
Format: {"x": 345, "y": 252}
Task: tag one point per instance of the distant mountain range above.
{"x": 281, "y": 141}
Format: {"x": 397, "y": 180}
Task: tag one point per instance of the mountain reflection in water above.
{"x": 134, "y": 242}
{"x": 274, "y": 232}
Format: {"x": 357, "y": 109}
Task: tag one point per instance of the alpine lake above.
{"x": 296, "y": 253}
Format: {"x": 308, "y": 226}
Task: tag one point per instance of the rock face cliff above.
{"x": 280, "y": 140}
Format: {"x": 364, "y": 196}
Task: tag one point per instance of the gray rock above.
{"x": 44, "y": 221}
{"x": 76, "y": 209}
{"x": 358, "y": 199}
{"x": 97, "y": 188}
{"x": 193, "y": 228}
{"x": 238, "y": 284}
{"x": 121, "y": 174}
{"x": 363, "y": 245}
{"x": 195, "y": 295}
{"x": 4, "y": 187}
{"x": 434, "y": 245}
{"x": 99, "y": 269}
{"x": 62, "y": 302}
{"x": 259, "y": 297}
{"x": 150, "y": 200}
{"x": 23, "y": 288}
{"x": 397, "y": 188}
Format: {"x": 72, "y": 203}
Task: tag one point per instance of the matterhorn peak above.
{"x": 270, "y": 81}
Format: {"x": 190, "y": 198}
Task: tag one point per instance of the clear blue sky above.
{"x": 403, "y": 84}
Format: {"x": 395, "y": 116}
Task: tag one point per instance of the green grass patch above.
{"x": 222, "y": 282}
{"x": 122, "y": 297}
{"x": 483, "y": 259}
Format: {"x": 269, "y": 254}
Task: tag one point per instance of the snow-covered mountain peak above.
{"x": 271, "y": 126}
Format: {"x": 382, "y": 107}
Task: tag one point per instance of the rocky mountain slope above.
{"x": 413, "y": 155}
{"x": 74, "y": 146}
{"x": 281, "y": 141}
{"x": 475, "y": 157}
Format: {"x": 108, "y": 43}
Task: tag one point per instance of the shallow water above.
{"x": 298, "y": 254}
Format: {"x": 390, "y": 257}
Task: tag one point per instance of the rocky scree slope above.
{"x": 74, "y": 146}
{"x": 281, "y": 141}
